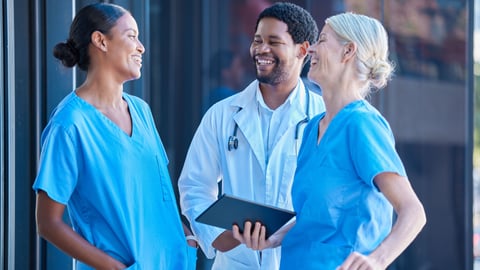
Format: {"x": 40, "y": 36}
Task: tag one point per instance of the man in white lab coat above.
{"x": 250, "y": 140}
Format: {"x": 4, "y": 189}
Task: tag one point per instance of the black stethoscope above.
{"x": 232, "y": 143}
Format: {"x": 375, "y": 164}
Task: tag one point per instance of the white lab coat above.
{"x": 243, "y": 170}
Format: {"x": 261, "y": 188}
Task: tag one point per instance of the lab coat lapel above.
{"x": 248, "y": 121}
{"x": 249, "y": 124}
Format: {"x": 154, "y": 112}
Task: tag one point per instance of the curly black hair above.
{"x": 301, "y": 26}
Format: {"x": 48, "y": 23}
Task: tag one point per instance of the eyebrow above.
{"x": 130, "y": 29}
{"x": 274, "y": 37}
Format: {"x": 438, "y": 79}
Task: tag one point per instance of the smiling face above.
{"x": 275, "y": 55}
{"x": 326, "y": 57}
{"x": 125, "y": 49}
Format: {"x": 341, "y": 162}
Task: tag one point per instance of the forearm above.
{"x": 198, "y": 190}
{"x": 67, "y": 240}
{"x": 409, "y": 223}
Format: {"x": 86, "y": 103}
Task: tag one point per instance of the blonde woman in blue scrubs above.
{"x": 103, "y": 159}
{"x": 349, "y": 179}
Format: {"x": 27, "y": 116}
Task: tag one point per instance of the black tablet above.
{"x": 229, "y": 210}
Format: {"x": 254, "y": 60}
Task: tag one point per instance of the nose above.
{"x": 140, "y": 47}
{"x": 262, "y": 47}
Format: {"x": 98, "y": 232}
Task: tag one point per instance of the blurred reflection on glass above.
{"x": 226, "y": 73}
{"x": 428, "y": 37}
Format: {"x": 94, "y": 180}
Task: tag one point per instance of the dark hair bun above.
{"x": 67, "y": 53}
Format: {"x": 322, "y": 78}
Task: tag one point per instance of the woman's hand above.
{"x": 357, "y": 261}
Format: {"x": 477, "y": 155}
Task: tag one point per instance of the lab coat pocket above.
{"x": 191, "y": 258}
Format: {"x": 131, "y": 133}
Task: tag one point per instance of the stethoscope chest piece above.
{"x": 232, "y": 142}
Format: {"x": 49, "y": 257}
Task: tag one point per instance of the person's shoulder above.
{"x": 363, "y": 108}
{"x": 362, "y": 113}
{"x": 138, "y": 104}
{"x": 67, "y": 110}
{"x": 313, "y": 122}
{"x": 67, "y": 115}
{"x": 135, "y": 100}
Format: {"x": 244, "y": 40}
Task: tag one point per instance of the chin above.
{"x": 136, "y": 75}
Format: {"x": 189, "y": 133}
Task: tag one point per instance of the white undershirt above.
{"x": 271, "y": 120}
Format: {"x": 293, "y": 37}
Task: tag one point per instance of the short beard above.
{"x": 275, "y": 77}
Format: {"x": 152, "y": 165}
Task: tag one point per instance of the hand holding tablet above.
{"x": 229, "y": 210}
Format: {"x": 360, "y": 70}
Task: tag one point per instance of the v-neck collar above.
{"x": 338, "y": 118}
{"x": 109, "y": 121}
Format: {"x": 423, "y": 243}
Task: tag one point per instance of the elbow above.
{"x": 418, "y": 216}
{"x": 42, "y": 228}
{"x": 46, "y": 228}
{"x": 422, "y": 217}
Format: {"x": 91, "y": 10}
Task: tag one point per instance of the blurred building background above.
{"x": 431, "y": 104}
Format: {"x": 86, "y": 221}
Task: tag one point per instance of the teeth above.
{"x": 264, "y": 62}
{"x": 137, "y": 59}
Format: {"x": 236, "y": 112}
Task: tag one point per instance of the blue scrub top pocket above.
{"x": 165, "y": 181}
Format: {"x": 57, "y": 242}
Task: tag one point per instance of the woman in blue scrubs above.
{"x": 103, "y": 160}
{"x": 349, "y": 177}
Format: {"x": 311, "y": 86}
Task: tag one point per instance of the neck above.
{"x": 101, "y": 93}
{"x": 275, "y": 95}
{"x": 337, "y": 100}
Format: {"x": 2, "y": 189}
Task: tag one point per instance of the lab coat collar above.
{"x": 249, "y": 123}
{"x": 247, "y": 98}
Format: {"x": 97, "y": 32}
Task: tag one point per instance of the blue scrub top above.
{"x": 339, "y": 209}
{"x": 116, "y": 187}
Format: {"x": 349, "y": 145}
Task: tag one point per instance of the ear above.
{"x": 303, "y": 49}
{"x": 99, "y": 40}
{"x": 349, "y": 51}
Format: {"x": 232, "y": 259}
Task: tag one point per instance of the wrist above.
{"x": 191, "y": 237}
{"x": 192, "y": 240}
